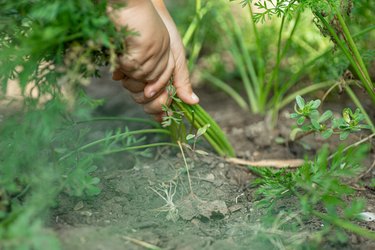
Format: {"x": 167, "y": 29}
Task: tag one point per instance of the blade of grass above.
{"x": 227, "y": 89}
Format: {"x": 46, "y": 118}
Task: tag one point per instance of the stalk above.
{"x": 237, "y": 56}
{"x": 293, "y": 80}
{"x": 246, "y": 57}
{"x": 356, "y": 65}
{"x": 280, "y": 53}
{"x": 359, "y": 105}
{"x": 353, "y": 48}
{"x": 124, "y": 119}
{"x": 144, "y": 146}
{"x": 214, "y": 135}
{"x": 113, "y": 137}
{"x": 261, "y": 68}
{"x": 227, "y": 89}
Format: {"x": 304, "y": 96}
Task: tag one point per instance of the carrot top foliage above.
{"x": 43, "y": 41}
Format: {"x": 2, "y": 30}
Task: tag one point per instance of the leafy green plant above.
{"x": 47, "y": 48}
{"x": 330, "y": 20}
{"x": 350, "y": 121}
{"x": 320, "y": 188}
{"x": 268, "y": 88}
{"x": 56, "y": 158}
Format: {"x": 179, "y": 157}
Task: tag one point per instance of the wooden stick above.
{"x": 293, "y": 163}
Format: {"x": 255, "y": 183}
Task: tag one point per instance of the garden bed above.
{"x": 221, "y": 213}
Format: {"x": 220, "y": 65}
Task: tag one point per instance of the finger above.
{"x": 150, "y": 70}
{"x": 155, "y": 106}
{"x": 181, "y": 81}
{"x": 132, "y": 85}
{"x": 157, "y": 69}
{"x": 159, "y": 117}
{"x": 155, "y": 87}
{"x": 128, "y": 64}
{"x": 140, "y": 97}
{"x": 117, "y": 75}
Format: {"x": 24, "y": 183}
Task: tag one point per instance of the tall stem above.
{"x": 356, "y": 65}
{"x": 359, "y": 105}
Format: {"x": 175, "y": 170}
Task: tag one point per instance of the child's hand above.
{"x": 181, "y": 79}
{"x": 150, "y": 59}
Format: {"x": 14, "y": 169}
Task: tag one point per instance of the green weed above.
{"x": 325, "y": 124}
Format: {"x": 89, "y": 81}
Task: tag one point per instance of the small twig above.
{"x": 354, "y": 145}
{"x": 142, "y": 243}
{"x": 293, "y": 163}
{"x": 364, "y": 173}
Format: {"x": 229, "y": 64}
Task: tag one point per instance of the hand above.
{"x": 150, "y": 59}
{"x": 181, "y": 73}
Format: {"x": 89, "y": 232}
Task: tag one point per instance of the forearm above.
{"x": 161, "y": 8}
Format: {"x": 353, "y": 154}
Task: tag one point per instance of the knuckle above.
{"x": 139, "y": 75}
{"x": 139, "y": 98}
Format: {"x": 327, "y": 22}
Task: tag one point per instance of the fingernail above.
{"x": 195, "y": 97}
{"x": 151, "y": 94}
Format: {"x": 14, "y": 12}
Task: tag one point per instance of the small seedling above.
{"x": 201, "y": 131}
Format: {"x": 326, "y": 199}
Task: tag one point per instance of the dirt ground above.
{"x": 149, "y": 200}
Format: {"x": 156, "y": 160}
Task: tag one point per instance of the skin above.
{"x": 153, "y": 56}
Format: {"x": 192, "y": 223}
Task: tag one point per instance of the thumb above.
{"x": 181, "y": 82}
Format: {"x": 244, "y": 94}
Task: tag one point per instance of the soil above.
{"x": 149, "y": 200}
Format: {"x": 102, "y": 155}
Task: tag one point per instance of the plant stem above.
{"x": 261, "y": 68}
{"x": 117, "y": 136}
{"x": 227, "y": 89}
{"x": 214, "y": 135}
{"x": 359, "y": 105}
{"x": 125, "y": 119}
{"x": 152, "y": 145}
{"x": 237, "y": 52}
{"x": 357, "y": 67}
{"x": 186, "y": 166}
{"x": 353, "y": 48}
{"x": 293, "y": 80}
{"x": 353, "y": 145}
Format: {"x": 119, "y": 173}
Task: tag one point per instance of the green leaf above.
{"x": 325, "y": 116}
{"x": 190, "y": 136}
{"x": 301, "y": 120}
{"x": 315, "y": 104}
{"x": 202, "y": 130}
{"x": 344, "y": 135}
{"x": 315, "y": 124}
{"x": 327, "y": 133}
{"x": 294, "y": 115}
{"x": 300, "y": 101}
{"x": 314, "y": 114}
